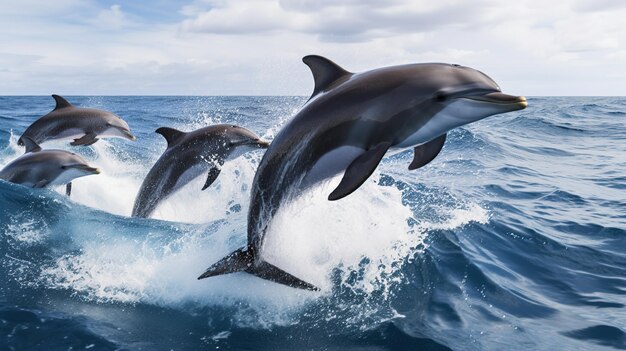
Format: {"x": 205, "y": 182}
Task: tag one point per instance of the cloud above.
{"x": 531, "y": 47}
{"x": 598, "y": 5}
{"x": 343, "y": 21}
{"x": 113, "y": 17}
{"x": 35, "y": 8}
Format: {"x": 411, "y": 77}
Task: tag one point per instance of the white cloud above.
{"x": 531, "y": 47}
{"x": 37, "y": 8}
{"x": 343, "y": 21}
{"x": 112, "y": 17}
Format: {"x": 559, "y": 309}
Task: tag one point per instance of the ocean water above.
{"x": 513, "y": 238}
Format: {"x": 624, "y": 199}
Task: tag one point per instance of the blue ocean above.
{"x": 514, "y": 238}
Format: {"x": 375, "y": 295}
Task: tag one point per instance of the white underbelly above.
{"x": 67, "y": 176}
{"x": 190, "y": 174}
{"x": 72, "y": 133}
{"x": 439, "y": 124}
{"x": 332, "y": 163}
{"x": 112, "y": 133}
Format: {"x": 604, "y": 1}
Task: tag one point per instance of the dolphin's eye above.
{"x": 441, "y": 97}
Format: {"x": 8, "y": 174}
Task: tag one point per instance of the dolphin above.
{"x": 84, "y": 125}
{"x": 39, "y": 168}
{"x": 188, "y": 155}
{"x": 347, "y": 126}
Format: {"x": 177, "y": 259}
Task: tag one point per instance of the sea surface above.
{"x": 514, "y": 238}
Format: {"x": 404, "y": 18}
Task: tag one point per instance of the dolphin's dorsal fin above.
{"x": 31, "y": 146}
{"x": 171, "y": 135}
{"x": 325, "y": 72}
{"x": 61, "y": 102}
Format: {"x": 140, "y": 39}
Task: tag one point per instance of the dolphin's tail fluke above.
{"x": 238, "y": 261}
{"x": 245, "y": 261}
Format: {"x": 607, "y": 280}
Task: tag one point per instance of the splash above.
{"x": 312, "y": 235}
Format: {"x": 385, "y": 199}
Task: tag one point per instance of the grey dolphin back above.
{"x": 82, "y": 124}
{"x": 246, "y": 261}
{"x": 60, "y": 102}
{"x": 325, "y": 72}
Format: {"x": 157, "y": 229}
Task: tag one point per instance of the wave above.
{"x": 512, "y": 237}
{"x": 87, "y": 247}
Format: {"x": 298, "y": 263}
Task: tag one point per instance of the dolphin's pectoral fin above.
{"x": 425, "y": 153}
{"x": 325, "y": 72}
{"x": 68, "y": 189}
{"x": 31, "y": 146}
{"x": 359, "y": 170}
{"x": 171, "y": 135}
{"x": 244, "y": 261}
{"x": 91, "y": 142}
{"x": 85, "y": 140}
{"x": 213, "y": 173}
{"x": 61, "y": 102}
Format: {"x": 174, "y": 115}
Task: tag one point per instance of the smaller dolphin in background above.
{"x": 188, "y": 155}
{"x": 43, "y": 168}
{"x": 84, "y": 125}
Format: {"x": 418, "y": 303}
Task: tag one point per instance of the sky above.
{"x": 255, "y": 47}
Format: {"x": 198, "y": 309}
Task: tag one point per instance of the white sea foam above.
{"x": 309, "y": 238}
{"x": 25, "y": 229}
{"x": 115, "y": 188}
{"x": 312, "y": 235}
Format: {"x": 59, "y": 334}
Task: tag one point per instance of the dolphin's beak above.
{"x": 263, "y": 144}
{"x": 509, "y": 102}
{"x": 128, "y": 135}
{"x": 89, "y": 169}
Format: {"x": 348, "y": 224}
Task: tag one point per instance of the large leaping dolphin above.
{"x": 350, "y": 122}
{"x": 189, "y": 155}
{"x": 43, "y": 168}
{"x": 84, "y": 125}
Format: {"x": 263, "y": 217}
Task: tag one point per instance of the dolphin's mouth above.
{"x": 260, "y": 143}
{"x": 129, "y": 135}
{"x": 263, "y": 144}
{"x": 88, "y": 169}
{"x": 497, "y": 98}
